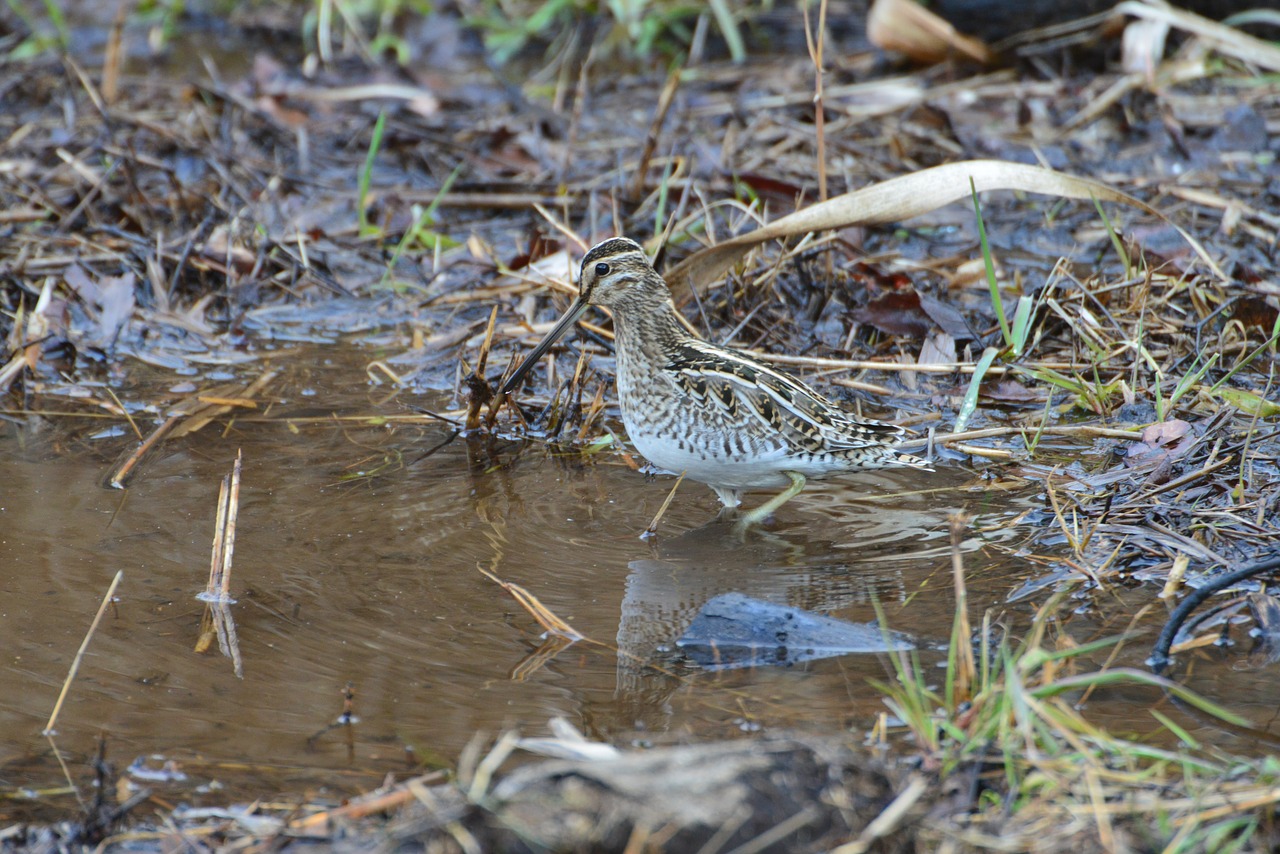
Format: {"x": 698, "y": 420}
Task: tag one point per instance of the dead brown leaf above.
{"x": 897, "y": 313}
{"x": 1167, "y": 440}
{"x": 948, "y": 318}
{"x": 1009, "y": 391}
{"x": 110, "y": 300}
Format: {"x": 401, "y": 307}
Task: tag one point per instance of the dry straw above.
{"x": 75, "y": 664}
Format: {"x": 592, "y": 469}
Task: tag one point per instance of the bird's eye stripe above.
{"x": 602, "y": 269}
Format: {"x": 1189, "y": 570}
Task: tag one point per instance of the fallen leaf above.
{"x": 765, "y": 185}
{"x": 909, "y": 28}
{"x": 109, "y": 300}
{"x": 1166, "y": 432}
{"x": 1164, "y": 441}
{"x": 1009, "y": 391}
{"x": 939, "y": 349}
{"x": 1255, "y": 312}
{"x": 897, "y": 313}
{"x": 948, "y": 318}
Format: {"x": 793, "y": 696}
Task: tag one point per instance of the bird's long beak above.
{"x": 562, "y": 326}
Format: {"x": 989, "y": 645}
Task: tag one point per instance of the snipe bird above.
{"x": 716, "y": 414}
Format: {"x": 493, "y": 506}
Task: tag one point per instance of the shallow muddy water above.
{"x": 374, "y": 581}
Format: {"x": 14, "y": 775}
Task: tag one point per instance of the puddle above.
{"x": 375, "y": 581}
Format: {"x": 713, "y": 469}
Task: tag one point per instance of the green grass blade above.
{"x": 989, "y": 265}
{"x": 1116, "y": 243}
{"x": 366, "y": 174}
{"x": 729, "y": 29}
{"x": 1130, "y": 676}
{"x": 1022, "y": 324}
{"x": 1185, "y": 737}
{"x": 1190, "y": 379}
{"x": 971, "y": 396}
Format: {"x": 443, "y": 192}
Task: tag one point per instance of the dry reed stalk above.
{"x": 984, "y": 453}
{"x": 483, "y": 360}
{"x": 1173, "y": 581}
{"x": 593, "y": 412}
{"x": 821, "y": 363}
{"x": 540, "y": 613}
{"x": 119, "y": 478}
{"x": 961, "y": 637}
{"x": 217, "y": 620}
{"x": 375, "y": 802}
{"x": 479, "y": 391}
{"x": 113, "y": 58}
{"x": 815, "y": 46}
{"x": 75, "y": 662}
{"x": 653, "y": 526}
{"x": 873, "y": 388}
{"x": 665, "y": 98}
{"x": 1083, "y": 431}
{"x": 224, "y": 534}
{"x": 125, "y": 412}
{"x": 489, "y": 765}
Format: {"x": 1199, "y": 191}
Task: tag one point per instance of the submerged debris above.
{"x": 732, "y": 630}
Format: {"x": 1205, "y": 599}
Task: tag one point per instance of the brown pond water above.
{"x": 375, "y": 581}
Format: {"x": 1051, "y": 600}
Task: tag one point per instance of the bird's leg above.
{"x": 764, "y": 510}
{"x": 730, "y": 498}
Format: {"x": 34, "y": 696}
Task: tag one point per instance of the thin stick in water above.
{"x": 75, "y": 664}
{"x": 653, "y": 526}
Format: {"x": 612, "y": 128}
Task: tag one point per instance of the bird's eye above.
{"x": 602, "y": 269}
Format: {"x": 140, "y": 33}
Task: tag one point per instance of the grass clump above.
{"x": 1007, "y": 716}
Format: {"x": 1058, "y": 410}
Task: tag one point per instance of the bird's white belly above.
{"x": 680, "y": 434}
{"x": 698, "y": 462}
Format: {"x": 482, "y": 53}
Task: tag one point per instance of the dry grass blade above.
{"x": 24, "y": 349}
{"x": 119, "y": 478}
{"x": 75, "y": 663}
{"x": 653, "y": 526}
{"x": 902, "y": 198}
{"x": 655, "y": 130}
{"x": 203, "y": 407}
{"x": 217, "y": 620}
{"x": 889, "y": 818}
{"x": 540, "y": 613}
{"x": 113, "y": 59}
{"x": 962, "y": 632}
{"x": 224, "y": 536}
